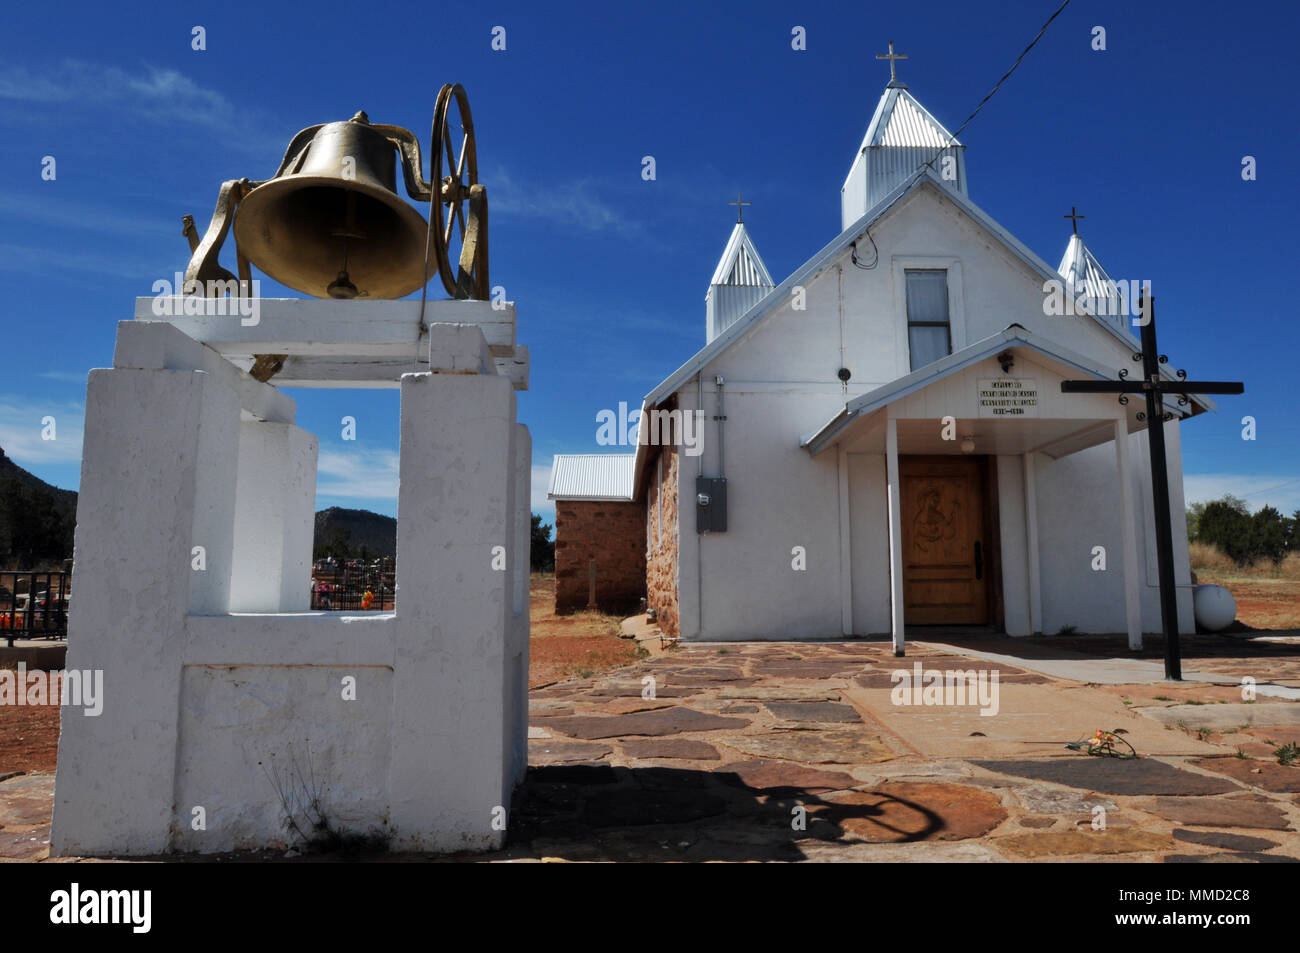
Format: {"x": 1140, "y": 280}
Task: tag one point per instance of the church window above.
{"x": 929, "y": 335}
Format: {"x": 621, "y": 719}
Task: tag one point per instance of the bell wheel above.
{"x": 454, "y": 176}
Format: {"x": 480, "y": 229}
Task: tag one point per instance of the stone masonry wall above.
{"x": 661, "y": 542}
{"x": 613, "y": 534}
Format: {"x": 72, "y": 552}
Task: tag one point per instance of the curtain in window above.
{"x": 928, "y": 336}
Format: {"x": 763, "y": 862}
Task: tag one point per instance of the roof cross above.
{"x": 1075, "y": 216}
{"x": 891, "y": 56}
{"x": 740, "y": 206}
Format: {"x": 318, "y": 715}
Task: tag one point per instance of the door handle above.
{"x": 979, "y": 561}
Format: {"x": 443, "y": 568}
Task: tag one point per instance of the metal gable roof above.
{"x": 1084, "y": 276}
{"x": 905, "y": 122}
{"x": 1014, "y": 336}
{"x": 740, "y": 263}
{"x": 592, "y": 476}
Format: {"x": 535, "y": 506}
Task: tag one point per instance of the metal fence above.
{"x": 34, "y": 605}
{"x": 346, "y": 590}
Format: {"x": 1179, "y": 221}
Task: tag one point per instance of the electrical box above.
{"x": 710, "y": 504}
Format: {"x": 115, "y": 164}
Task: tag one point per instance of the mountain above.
{"x": 65, "y": 501}
{"x": 36, "y": 518}
{"x": 357, "y": 528}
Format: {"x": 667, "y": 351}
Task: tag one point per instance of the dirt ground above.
{"x": 1266, "y": 598}
{"x": 578, "y": 645}
{"x": 29, "y": 738}
{"x": 1262, "y": 603}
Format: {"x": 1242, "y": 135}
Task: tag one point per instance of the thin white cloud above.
{"x": 26, "y": 260}
{"x": 150, "y": 93}
{"x": 21, "y": 429}
{"x": 571, "y": 203}
{"x": 1279, "y": 490}
{"x": 357, "y": 474}
{"x": 155, "y": 93}
{"x": 85, "y": 216}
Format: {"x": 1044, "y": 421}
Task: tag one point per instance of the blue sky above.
{"x": 609, "y": 271}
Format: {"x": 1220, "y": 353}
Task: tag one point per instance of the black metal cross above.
{"x": 891, "y": 56}
{"x": 1154, "y": 386}
{"x": 1074, "y": 214}
{"x": 740, "y": 206}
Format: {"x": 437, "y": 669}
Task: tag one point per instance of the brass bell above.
{"x": 331, "y": 224}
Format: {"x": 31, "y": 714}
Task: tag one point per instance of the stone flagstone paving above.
{"x": 795, "y": 752}
{"x": 820, "y": 768}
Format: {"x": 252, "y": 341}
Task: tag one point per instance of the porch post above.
{"x": 895, "y": 535}
{"x": 1031, "y": 547}
{"x": 1132, "y": 585}
{"x": 846, "y": 548}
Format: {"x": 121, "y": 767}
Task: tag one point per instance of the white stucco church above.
{"x": 883, "y": 444}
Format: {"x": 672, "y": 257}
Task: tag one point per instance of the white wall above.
{"x": 868, "y": 495}
{"x": 777, "y": 498}
{"x": 1078, "y": 508}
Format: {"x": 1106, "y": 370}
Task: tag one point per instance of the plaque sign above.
{"x": 1008, "y": 397}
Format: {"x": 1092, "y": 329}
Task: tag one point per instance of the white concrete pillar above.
{"x": 895, "y": 534}
{"x": 275, "y": 512}
{"x": 1031, "y": 547}
{"x": 519, "y": 627}
{"x": 1128, "y": 524}
{"x": 158, "y": 475}
{"x": 447, "y": 777}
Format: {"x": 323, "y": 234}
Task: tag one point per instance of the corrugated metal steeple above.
{"x": 1085, "y": 279}
{"x": 901, "y": 137}
{"x": 739, "y": 282}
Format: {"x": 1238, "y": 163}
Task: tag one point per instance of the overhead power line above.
{"x": 998, "y": 85}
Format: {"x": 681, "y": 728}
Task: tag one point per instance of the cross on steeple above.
{"x": 1154, "y": 387}
{"x": 1075, "y": 216}
{"x": 740, "y": 206}
{"x": 891, "y": 56}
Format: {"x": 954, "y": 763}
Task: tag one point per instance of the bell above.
{"x": 331, "y": 223}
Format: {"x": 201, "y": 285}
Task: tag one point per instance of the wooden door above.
{"x": 945, "y": 547}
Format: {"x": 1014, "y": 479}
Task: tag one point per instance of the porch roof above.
{"x": 1056, "y": 437}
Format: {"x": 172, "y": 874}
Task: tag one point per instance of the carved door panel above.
{"x": 945, "y": 558}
